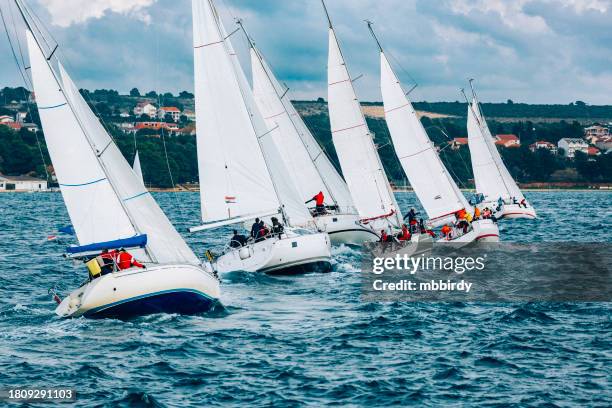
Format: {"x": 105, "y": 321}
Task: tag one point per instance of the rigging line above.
{"x": 26, "y": 83}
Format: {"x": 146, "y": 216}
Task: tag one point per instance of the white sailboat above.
{"x": 109, "y": 209}
{"x": 306, "y": 162}
{"x": 242, "y": 176}
{"x": 431, "y": 181}
{"x": 357, "y": 152}
{"x": 495, "y": 187}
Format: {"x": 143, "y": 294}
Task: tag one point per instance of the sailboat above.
{"x": 495, "y": 187}
{"x": 435, "y": 188}
{"x": 309, "y": 167}
{"x": 242, "y": 175}
{"x": 358, "y": 155}
{"x": 110, "y": 209}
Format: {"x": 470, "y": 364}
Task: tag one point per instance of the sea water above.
{"x": 303, "y": 340}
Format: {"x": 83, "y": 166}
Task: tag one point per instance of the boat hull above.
{"x": 511, "y": 211}
{"x": 291, "y": 254}
{"x": 345, "y": 229}
{"x": 482, "y": 231}
{"x": 183, "y": 289}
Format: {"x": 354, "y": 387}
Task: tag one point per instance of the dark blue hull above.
{"x": 179, "y": 302}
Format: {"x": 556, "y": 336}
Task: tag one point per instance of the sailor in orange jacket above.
{"x": 446, "y": 231}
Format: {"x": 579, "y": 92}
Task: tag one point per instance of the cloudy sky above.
{"x": 537, "y": 51}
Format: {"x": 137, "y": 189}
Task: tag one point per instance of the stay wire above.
{"x": 25, "y": 78}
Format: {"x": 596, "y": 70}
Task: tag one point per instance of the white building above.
{"x": 174, "y": 112}
{"x": 573, "y": 145}
{"x": 22, "y": 183}
{"x": 542, "y": 144}
{"x": 145, "y": 108}
{"x": 595, "y": 131}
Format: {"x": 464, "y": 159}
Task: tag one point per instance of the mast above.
{"x": 280, "y": 97}
{"x": 23, "y": 10}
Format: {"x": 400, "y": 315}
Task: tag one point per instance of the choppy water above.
{"x": 305, "y": 340}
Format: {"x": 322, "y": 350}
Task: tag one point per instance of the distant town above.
{"x": 547, "y": 146}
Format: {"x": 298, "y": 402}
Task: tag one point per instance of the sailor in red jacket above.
{"x": 125, "y": 260}
{"x": 319, "y": 202}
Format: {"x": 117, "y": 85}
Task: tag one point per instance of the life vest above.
{"x": 476, "y": 212}
{"x": 446, "y": 230}
{"x": 405, "y": 235}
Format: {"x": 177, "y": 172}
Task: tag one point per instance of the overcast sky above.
{"x": 537, "y": 51}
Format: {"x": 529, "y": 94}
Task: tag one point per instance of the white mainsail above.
{"x": 433, "y": 185}
{"x": 241, "y": 171}
{"x": 490, "y": 174}
{"x": 136, "y": 167}
{"x": 357, "y": 153}
{"x": 307, "y": 163}
{"x": 104, "y": 198}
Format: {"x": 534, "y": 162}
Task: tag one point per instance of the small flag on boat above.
{"x": 52, "y": 238}
{"x": 230, "y": 199}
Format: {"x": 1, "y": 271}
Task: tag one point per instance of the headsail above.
{"x": 241, "y": 172}
{"x": 104, "y": 198}
{"x": 490, "y": 174}
{"x": 433, "y": 185}
{"x": 358, "y": 155}
{"x": 309, "y": 166}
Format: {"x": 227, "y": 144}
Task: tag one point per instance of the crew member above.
{"x": 411, "y": 216}
{"x": 108, "y": 261}
{"x": 405, "y": 235}
{"x": 277, "y": 227}
{"x": 446, "y": 230}
{"x": 476, "y": 213}
{"x": 255, "y": 229}
{"x": 262, "y": 232}
{"x": 319, "y": 200}
{"x": 238, "y": 240}
{"x": 384, "y": 237}
{"x": 125, "y": 260}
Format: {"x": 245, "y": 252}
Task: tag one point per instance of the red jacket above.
{"x": 319, "y": 198}
{"x": 125, "y": 260}
{"x": 405, "y": 235}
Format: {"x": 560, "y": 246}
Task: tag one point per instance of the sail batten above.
{"x": 361, "y": 165}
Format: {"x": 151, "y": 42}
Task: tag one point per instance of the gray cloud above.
{"x": 551, "y": 51}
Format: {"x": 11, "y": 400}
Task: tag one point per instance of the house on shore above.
{"x": 508, "y": 140}
{"x": 145, "y": 108}
{"x": 542, "y": 144}
{"x": 572, "y": 145}
{"x": 175, "y": 113}
{"x": 22, "y": 183}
